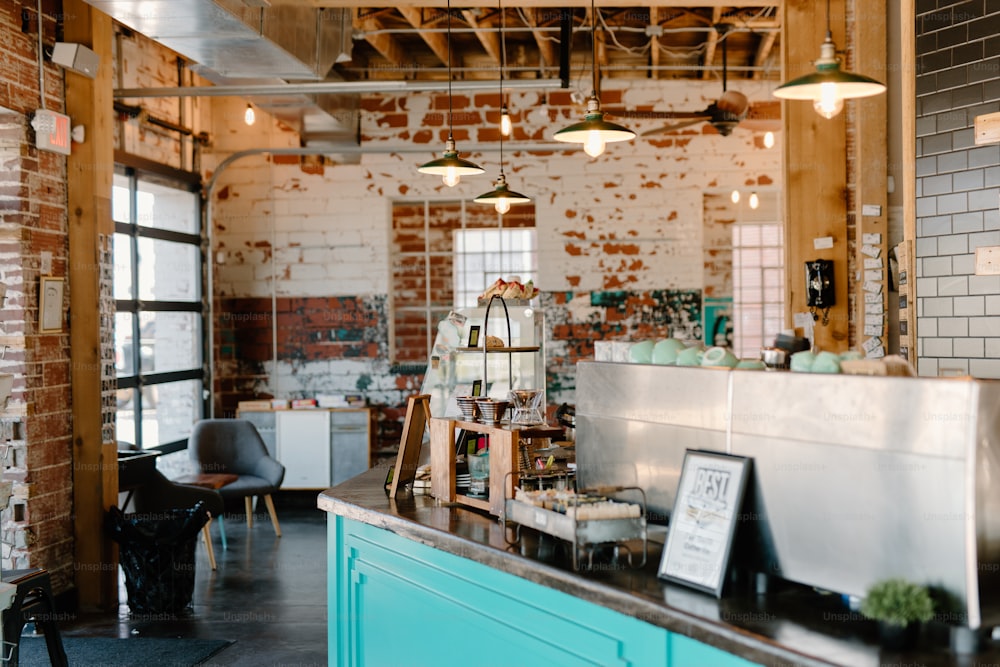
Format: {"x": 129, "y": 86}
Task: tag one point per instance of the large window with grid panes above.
{"x": 758, "y": 276}
{"x": 446, "y": 253}
{"x": 159, "y": 308}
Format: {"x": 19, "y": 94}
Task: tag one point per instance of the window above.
{"x": 446, "y": 253}
{"x": 159, "y": 344}
{"x": 758, "y": 285}
{"x": 483, "y": 255}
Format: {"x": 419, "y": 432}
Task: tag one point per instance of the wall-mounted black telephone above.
{"x": 819, "y": 288}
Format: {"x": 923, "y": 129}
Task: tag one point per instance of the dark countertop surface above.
{"x": 788, "y": 625}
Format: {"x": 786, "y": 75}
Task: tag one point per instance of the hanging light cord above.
{"x": 450, "y": 112}
{"x": 593, "y": 44}
{"x": 503, "y": 63}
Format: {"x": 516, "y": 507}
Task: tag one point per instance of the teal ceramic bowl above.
{"x": 826, "y": 362}
{"x": 690, "y": 356}
{"x": 666, "y": 351}
{"x": 750, "y": 365}
{"x": 802, "y": 362}
{"x": 641, "y": 352}
{"x": 719, "y": 356}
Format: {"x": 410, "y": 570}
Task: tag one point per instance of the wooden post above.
{"x": 815, "y": 171}
{"x": 871, "y": 176}
{"x": 90, "y": 171}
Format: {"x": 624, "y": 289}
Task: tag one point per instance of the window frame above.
{"x": 136, "y": 169}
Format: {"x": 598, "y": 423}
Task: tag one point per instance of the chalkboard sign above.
{"x": 702, "y": 524}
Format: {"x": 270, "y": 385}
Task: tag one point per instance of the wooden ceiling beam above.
{"x": 711, "y": 43}
{"x": 764, "y": 49}
{"x": 437, "y": 41}
{"x": 547, "y": 51}
{"x": 490, "y": 39}
{"x": 654, "y": 44}
{"x": 678, "y": 4}
{"x": 385, "y": 44}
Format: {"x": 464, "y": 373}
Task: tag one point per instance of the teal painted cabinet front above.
{"x": 396, "y": 603}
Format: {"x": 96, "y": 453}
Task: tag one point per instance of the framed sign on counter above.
{"x": 703, "y": 521}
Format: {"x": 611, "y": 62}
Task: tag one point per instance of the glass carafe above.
{"x": 527, "y": 406}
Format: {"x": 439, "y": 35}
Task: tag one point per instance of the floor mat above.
{"x": 135, "y": 652}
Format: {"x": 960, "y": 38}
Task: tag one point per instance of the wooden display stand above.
{"x": 505, "y": 444}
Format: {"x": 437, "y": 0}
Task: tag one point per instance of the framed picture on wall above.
{"x": 50, "y": 304}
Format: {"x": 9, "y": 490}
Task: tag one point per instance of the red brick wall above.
{"x": 32, "y": 221}
{"x": 306, "y": 330}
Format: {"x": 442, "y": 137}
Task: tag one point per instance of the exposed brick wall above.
{"x": 630, "y": 222}
{"x": 958, "y": 187}
{"x": 574, "y": 320}
{"x": 310, "y": 333}
{"x": 33, "y": 221}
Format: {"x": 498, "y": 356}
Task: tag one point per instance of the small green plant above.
{"x": 898, "y": 602}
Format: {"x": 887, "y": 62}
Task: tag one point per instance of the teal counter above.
{"x": 415, "y": 582}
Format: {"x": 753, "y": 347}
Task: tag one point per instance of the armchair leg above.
{"x": 248, "y": 504}
{"x": 207, "y": 534}
{"x": 274, "y": 515}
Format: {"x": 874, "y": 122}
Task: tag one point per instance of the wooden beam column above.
{"x": 90, "y": 169}
{"x": 815, "y": 172}
{"x": 871, "y": 176}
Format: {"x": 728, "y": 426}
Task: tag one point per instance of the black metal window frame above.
{"x": 135, "y": 169}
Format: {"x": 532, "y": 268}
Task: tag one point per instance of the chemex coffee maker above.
{"x": 527, "y": 406}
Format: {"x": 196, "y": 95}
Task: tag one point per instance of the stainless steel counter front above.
{"x": 854, "y": 479}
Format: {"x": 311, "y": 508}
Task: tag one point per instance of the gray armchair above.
{"x": 233, "y": 446}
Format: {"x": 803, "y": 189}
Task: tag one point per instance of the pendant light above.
{"x": 829, "y": 86}
{"x": 450, "y": 167}
{"x": 594, "y": 132}
{"x": 249, "y": 117}
{"x": 501, "y": 196}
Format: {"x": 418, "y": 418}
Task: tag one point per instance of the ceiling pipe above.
{"x": 332, "y": 87}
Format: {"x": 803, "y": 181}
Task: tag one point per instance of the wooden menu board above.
{"x": 418, "y": 411}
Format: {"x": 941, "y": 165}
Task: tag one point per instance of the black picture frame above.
{"x": 477, "y": 388}
{"x": 474, "y": 336}
{"x": 703, "y": 522}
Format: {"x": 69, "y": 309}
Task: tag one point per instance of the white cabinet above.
{"x": 303, "y": 440}
{"x": 319, "y": 447}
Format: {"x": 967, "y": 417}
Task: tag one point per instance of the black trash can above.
{"x": 156, "y": 553}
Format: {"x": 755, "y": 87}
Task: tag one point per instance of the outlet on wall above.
{"x": 988, "y": 261}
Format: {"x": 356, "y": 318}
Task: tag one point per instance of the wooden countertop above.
{"x": 790, "y": 625}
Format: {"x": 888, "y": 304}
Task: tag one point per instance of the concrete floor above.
{"x": 268, "y": 593}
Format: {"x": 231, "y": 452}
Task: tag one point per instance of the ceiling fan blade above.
{"x": 674, "y": 127}
{"x": 763, "y": 117}
{"x": 761, "y": 124}
{"x": 659, "y": 115}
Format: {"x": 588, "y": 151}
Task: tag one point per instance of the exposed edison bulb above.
{"x": 769, "y": 140}
{"x": 249, "y": 117}
{"x": 754, "y": 200}
{"x": 594, "y": 145}
{"x": 506, "y": 126}
{"x": 735, "y": 197}
{"x": 451, "y": 177}
{"x": 502, "y": 205}
{"x": 829, "y": 103}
